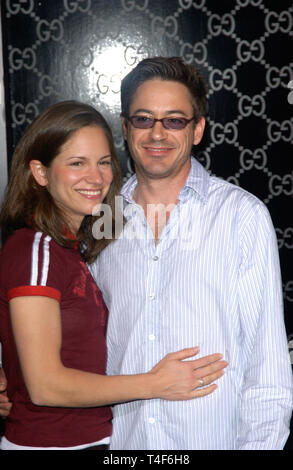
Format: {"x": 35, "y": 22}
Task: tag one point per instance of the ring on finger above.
{"x": 201, "y": 382}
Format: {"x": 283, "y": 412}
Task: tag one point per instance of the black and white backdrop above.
{"x": 81, "y": 49}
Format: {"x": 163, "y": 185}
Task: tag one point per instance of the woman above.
{"x": 52, "y": 315}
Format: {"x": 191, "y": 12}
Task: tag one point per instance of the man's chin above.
{"x": 161, "y": 171}
{"x": 156, "y": 174}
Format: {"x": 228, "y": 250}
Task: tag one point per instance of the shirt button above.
{"x": 152, "y": 420}
{"x": 152, "y": 296}
{"x": 155, "y": 258}
{"x": 152, "y": 337}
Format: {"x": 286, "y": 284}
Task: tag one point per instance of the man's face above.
{"x": 158, "y": 152}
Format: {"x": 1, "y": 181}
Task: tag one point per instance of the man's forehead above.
{"x": 161, "y": 94}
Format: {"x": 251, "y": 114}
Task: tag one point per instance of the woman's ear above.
{"x": 39, "y": 172}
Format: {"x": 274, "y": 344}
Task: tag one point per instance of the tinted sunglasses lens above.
{"x": 142, "y": 122}
{"x": 177, "y": 123}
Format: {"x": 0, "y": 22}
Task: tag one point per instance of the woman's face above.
{"x": 81, "y": 174}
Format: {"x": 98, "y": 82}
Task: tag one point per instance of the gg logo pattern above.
{"x": 290, "y": 96}
{"x": 82, "y": 49}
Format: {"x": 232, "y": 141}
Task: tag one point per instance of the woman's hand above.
{"x": 5, "y": 404}
{"x": 176, "y": 379}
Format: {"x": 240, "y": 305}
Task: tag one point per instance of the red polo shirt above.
{"x": 31, "y": 263}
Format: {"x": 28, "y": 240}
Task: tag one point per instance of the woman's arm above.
{"x": 36, "y": 325}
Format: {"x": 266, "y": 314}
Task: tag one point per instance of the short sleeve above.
{"x": 31, "y": 266}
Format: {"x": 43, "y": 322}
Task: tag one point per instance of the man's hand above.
{"x": 5, "y": 404}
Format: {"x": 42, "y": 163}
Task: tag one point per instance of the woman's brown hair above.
{"x": 27, "y": 204}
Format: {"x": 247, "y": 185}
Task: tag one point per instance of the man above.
{"x": 196, "y": 264}
{"x": 207, "y": 274}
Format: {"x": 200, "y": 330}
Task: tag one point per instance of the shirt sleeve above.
{"x": 266, "y": 401}
{"x": 32, "y": 266}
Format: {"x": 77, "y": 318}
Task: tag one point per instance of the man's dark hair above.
{"x": 166, "y": 68}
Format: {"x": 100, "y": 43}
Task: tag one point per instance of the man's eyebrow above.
{"x": 167, "y": 113}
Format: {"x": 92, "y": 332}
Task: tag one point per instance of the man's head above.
{"x": 163, "y": 109}
{"x": 170, "y": 69}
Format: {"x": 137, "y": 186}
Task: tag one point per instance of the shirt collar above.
{"x": 197, "y": 182}
{"x": 70, "y": 236}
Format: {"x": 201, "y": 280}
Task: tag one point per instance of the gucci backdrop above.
{"x": 81, "y": 49}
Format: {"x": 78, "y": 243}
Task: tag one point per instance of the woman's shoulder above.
{"x": 16, "y": 254}
{"x": 21, "y": 240}
{"x": 18, "y": 239}
{"x": 25, "y": 241}
{"x": 31, "y": 257}
{"x": 26, "y": 246}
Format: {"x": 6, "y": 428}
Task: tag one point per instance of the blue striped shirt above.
{"x": 213, "y": 280}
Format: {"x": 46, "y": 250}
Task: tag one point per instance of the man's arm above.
{"x": 266, "y": 403}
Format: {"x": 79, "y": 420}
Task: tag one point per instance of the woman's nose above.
{"x": 94, "y": 175}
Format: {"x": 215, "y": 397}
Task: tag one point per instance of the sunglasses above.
{"x": 145, "y": 122}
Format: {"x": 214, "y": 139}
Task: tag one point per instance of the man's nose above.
{"x": 158, "y": 131}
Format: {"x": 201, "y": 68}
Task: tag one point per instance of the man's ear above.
{"x": 39, "y": 172}
{"x": 199, "y": 130}
{"x": 124, "y": 127}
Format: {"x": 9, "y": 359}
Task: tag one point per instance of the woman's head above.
{"x": 78, "y": 179}
{"x": 56, "y": 132}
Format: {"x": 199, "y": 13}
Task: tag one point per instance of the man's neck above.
{"x": 158, "y": 197}
{"x": 155, "y": 192}
{"x": 163, "y": 190}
